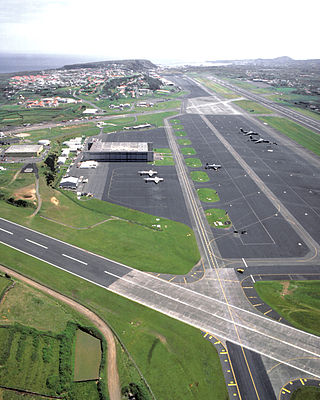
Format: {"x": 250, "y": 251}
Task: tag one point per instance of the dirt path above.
{"x": 113, "y": 377}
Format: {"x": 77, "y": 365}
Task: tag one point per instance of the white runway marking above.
{"x": 252, "y": 279}
{"x": 75, "y": 259}
{"x": 4, "y": 230}
{"x": 244, "y": 262}
{"x": 38, "y": 244}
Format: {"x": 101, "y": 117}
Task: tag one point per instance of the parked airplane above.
{"x": 150, "y": 172}
{"x": 247, "y": 133}
{"x": 156, "y": 180}
{"x": 261, "y": 140}
{"x": 212, "y": 166}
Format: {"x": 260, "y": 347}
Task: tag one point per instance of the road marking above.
{"x": 74, "y": 259}
{"x": 4, "y": 230}
{"x": 286, "y": 390}
{"x": 267, "y": 312}
{"x": 257, "y": 305}
{"x": 247, "y": 287}
{"x": 244, "y": 262}
{"x": 301, "y": 380}
{"x": 252, "y": 279}
{"x": 38, "y": 244}
{"x": 206, "y": 334}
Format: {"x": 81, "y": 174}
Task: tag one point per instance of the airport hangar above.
{"x": 119, "y": 151}
{"x": 24, "y": 150}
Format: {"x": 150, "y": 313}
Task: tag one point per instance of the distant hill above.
{"x": 278, "y": 61}
{"x": 136, "y": 65}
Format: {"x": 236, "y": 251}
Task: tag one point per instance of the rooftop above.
{"x": 24, "y": 148}
{"x": 119, "y": 146}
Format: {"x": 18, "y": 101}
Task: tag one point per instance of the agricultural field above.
{"x": 218, "y": 218}
{"x": 156, "y": 342}
{"x": 305, "y": 137}
{"x": 87, "y": 357}
{"x": 296, "y": 301}
{"x": 208, "y": 195}
{"x": 18, "y": 115}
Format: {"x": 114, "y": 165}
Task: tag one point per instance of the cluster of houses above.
{"x": 71, "y": 146}
{"x": 50, "y": 102}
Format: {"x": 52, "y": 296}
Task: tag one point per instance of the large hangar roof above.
{"x": 119, "y": 146}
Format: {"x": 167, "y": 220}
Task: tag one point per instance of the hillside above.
{"x": 136, "y": 65}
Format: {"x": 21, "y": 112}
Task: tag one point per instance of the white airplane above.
{"x": 247, "y": 133}
{"x": 156, "y": 180}
{"x": 150, "y": 172}
{"x": 212, "y": 166}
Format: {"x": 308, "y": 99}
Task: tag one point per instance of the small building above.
{"x": 24, "y": 150}
{"x": 69, "y": 182}
{"x": 44, "y": 142}
{"x": 88, "y": 164}
{"x": 65, "y": 152}
{"x": 61, "y": 160}
{"x": 90, "y": 111}
{"x": 119, "y": 151}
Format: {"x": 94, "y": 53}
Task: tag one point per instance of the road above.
{"x": 284, "y": 344}
{"x": 295, "y": 116}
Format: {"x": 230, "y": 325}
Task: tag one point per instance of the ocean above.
{"x": 38, "y": 62}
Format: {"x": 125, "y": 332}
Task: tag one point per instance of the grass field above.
{"x": 249, "y": 85}
{"x": 193, "y": 162}
{"x": 20, "y": 115}
{"x": 208, "y": 195}
{"x": 199, "y": 176}
{"x": 188, "y": 364}
{"x": 180, "y": 133}
{"x": 306, "y": 393}
{"x": 221, "y": 90}
{"x": 172, "y": 249}
{"x": 218, "y": 218}
{"x": 252, "y": 107}
{"x": 308, "y": 113}
{"x": 4, "y": 283}
{"x": 188, "y": 151}
{"x": 10, "y": 395}
{"x": 296, "y": 301}
{"x": 184, "y": 142}
{"x": 87, "y": 357}
{"x": 298, "y": 133}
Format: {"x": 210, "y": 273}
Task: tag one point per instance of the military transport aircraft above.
{"x": 150, "y": 172}
{"x": 212, "y": 166}
{"x": 156, "y": 180}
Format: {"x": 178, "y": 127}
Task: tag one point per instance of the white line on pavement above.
{"x": 244, "y": 262}
{"x": 38, "y": 244}
{"x": 4, "y": 230}
{"x": 252, "y": 279}
{"x": 82, "y": 262}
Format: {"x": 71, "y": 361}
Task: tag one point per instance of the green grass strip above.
{"x": 306, "y": 393}
{"x": 208, "y": 195}
{"x": 199, "y": 176}
{"x": 298, "y": 133}
{"x": 184, "y": 142}
{"x": 218, "y": 218}
{"x": 193, "y": 162}
{"x": 252, "y": 107}
{"x": 188, "y": 151}
{"x": 296, "y": 301}
{"x": 180, "y": 133}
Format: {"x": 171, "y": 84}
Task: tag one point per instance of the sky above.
{"x": 161, "y": 31}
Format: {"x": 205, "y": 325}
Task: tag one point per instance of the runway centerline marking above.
{"x": 75, "y": 259}
{"x": 37, "y": 244}
{"x": 4, "y": 230}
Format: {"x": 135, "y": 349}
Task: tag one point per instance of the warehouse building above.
{"x": 119, "y": 151}
{"x": 24, "y": 150}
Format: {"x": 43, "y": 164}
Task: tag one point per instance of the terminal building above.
{"x": 24, "y": 150}
{"x": 119, "y": 151}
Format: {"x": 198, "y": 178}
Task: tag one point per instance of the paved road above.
{"x": 295, "y": 116}
{"x": 211, "y": 314}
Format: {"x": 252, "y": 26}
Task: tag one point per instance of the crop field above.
{"x": 87, "y": 357}
{"x": 193, "y": 162}
{"x": 297, "y": 301}
{"x": 298, "y": 133}
{"x": 199, "y": 176}
{"x": 156, "y": 342}
{"x": 21, "y": 115}
{"x": 28, "y": 359}
{"x": 208, "y": 195}
{"x": 252, "y": 107}
{"x": 218, "y": 218}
